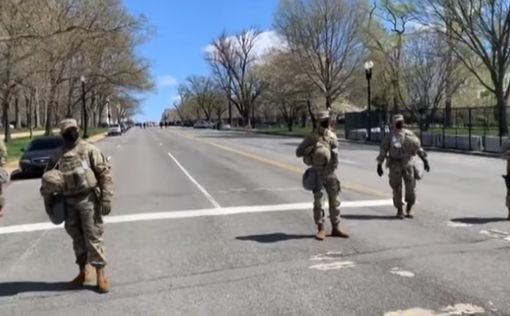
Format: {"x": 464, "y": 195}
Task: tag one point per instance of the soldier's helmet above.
{"x": 52, "y": 182}
{"x": 323, "y": 115}
{"x": 398, "y": 118}
{"x": 66, "y": 124}
{"x": 321, "y": 155}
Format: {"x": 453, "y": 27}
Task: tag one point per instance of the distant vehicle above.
{"x": 37, "y": 155}
{"x": 114, "y": 130}
{"x": 226, "y": 127}
{"x": 201, "y": 124}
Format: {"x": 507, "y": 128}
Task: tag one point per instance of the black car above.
{"x": 38, "y": 153}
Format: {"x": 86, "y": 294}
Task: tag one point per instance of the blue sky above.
{"x": 183, "y": 29}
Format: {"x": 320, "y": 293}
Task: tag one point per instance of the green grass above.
{"x": 14, "y": 148}
{"x": 15, "y": 145}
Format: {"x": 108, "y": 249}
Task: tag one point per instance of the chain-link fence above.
{"x": 473, "y": 129}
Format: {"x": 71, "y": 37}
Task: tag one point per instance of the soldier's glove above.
{"x": 105, "y": 208}
{"x": 380, "y": 171}
{"x": 426, "y": 165}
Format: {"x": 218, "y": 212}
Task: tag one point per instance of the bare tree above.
{"x": 325, "y": 34}
{"x": 232, "y": 59}
{"x": 428, "y": 74}
{"x": 286, "y": 86}
{"x": 480, "y": 32}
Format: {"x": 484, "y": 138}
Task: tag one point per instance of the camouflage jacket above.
{"x": 308, "y": 145}
{"x": 97, "y": 162}
{"x": 411, "y": 147}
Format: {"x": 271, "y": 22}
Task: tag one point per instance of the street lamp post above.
{"x": 84, "y": 109}
{"x": 368, "y": 74}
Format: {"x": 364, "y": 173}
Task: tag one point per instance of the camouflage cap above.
{"x": 67, "y": 123}
{"x": 52, "y": 182}
{"x": 323, "y": 115}
{"x": 398, "y": 117}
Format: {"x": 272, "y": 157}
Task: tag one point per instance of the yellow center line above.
{"x": 284, "y": 166}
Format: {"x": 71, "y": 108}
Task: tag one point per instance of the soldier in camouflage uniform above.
{"x": 398, "y": 148}
{"x": 320, "y": 150}
{"x": 88, "y": 196}
{"x": 3, "y": 159}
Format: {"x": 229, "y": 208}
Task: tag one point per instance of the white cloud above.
{"x": 265, "y": 42}
{"x": 175, "y": 99}
{"x": 167, "y": 81}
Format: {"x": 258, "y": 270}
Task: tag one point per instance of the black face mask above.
{"x": 71, "y": 136}
{"x": 325, "y": 124}
{"x": 399, "y": 125}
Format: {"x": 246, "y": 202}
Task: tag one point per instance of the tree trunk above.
{"x": 303, "y": 120}
{"x": 17, "y": 116}
{"x": 37, "y": 118}
{"x": 329, "y": 102}
{"x": 28, "y": 107}
{"x": 5, "y": 119}
{"x": 50, "y": 109}
{"x": 310, "y": 112}
{"x": 501, "y": 104}
{"x": 290, "y": 124}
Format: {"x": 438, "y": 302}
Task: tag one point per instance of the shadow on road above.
{"x": 14, "y": 288}
{"x": 276, "y": 237}
{"x": 479, "y": 220}
{"x": 370, "y": 217}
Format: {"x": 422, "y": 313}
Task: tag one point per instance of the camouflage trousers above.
{"x": 86, "y": 230}
{"x": 405, "y": 173}
{"x": 331, "y": 185}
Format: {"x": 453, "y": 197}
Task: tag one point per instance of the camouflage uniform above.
{"x": 327, "y": 174}
{"x": 83, "y": 222}
{"x": 401, "y": 166}
{"x": 320, "y": 150}
{"x": 3, "y": 159}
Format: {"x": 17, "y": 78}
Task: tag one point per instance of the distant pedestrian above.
{"x": 320, "y": 151}
{"x": 398, "y": 148}
{"x": 87, "y": 194}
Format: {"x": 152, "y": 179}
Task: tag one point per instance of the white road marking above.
{"x": 348, "y": 162}
{"x": 456, "y": 310}
{"x": 195, "y": 182}
{"x": 496, "y": 234}
{"x": 194, "y": 213}
{"x": 457, "y": 224}
{"x": 333, "y": 265}
{"x": 330, "y": 255}
{"x": 402, "y": 273}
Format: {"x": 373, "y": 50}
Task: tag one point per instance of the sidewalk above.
{"x": 342, "y": 138}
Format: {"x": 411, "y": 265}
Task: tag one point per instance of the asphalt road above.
{"x": 216, "y": 223}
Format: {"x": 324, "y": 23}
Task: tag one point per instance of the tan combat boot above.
{"x": 337, "y": 232}
{"x": 321, "y": 234}
{"x": 83, "y": 277}
{"x": 103, "y": 284}
{"x": 400, "y": 213}
{"x": 409, "y": 213}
